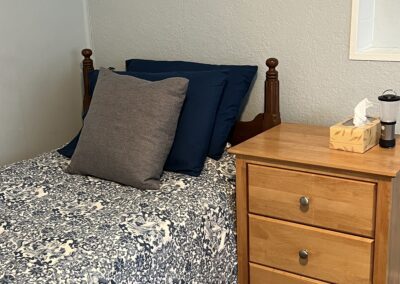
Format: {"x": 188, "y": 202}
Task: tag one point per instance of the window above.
{"x": 375, "y": 30}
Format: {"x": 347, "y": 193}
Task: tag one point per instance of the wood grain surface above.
{"x": 276, "y": 193}
{"x": 333, "y": 257}
{"x": 309, "y": 145}
{"x": 265, "y": 275}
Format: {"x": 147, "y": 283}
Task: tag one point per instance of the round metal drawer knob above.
{"x": 304, "y": 201}
{"x": 303, "y": 254}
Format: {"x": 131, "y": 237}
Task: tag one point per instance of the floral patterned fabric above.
{"x": 61, "y": 228}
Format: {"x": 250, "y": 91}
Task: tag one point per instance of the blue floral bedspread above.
{"x": 61, "y": 228}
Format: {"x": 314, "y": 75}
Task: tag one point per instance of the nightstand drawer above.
{"x": 335, "y": 203}
{"x": 264, "y": 275}
{"x": 317, "y": 253}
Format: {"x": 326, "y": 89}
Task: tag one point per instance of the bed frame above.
{"x": 243, "y": 130}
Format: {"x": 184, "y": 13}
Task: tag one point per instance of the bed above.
{"x": 62, "y": 228}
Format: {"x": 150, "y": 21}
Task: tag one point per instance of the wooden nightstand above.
{"x": 308, "y": 214}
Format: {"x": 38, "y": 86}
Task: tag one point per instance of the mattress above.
{"x": 61, "y": 228}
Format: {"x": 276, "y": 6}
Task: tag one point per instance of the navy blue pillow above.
{"x": 69, "y": 149}
{"x": 196, "y": 121}
{"x": 239, "y": 81}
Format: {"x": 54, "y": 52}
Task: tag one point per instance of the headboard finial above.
{"x": 87, "y": 53}
{"x": 272, "y": 63}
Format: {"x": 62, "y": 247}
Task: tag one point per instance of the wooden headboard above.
{"x": 243, "y": 130}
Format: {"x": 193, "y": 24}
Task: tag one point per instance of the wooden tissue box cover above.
{"x": 347, "y": 137}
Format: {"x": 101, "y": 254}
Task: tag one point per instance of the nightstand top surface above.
{"x": 309, "y": 145}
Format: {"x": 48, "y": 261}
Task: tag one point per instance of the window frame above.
{"x": 370, "y": 53}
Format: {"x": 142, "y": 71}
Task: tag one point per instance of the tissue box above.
{"x": 347, "y": 137}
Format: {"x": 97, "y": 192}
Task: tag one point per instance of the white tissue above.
{"x": 360, "y": 112}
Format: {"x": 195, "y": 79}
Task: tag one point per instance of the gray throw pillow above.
{"x": 129, "y": 129}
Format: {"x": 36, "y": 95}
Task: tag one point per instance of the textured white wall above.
{"x": 319, "y": 84}
{"x": 40, "y": 83}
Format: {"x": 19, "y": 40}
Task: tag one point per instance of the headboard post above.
{"x": 271, "y": 103}
{"x": 244, "y": 130}
{"x": 87, "y": 66}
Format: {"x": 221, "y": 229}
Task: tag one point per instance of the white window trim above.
{"x": 372, "y": 53}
